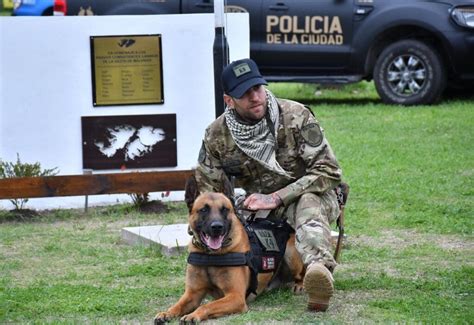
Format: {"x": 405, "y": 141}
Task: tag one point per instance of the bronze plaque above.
{"x": 131, "y": 141}
{"x": 126, "y": 70}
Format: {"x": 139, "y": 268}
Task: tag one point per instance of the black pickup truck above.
{"x": 412, "y": 49}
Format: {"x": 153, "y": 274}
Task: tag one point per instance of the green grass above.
{"x": 407, "y": 259}
{"x": 412, "y": 161}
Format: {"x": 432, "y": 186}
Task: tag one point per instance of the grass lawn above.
{"x": 408, "y": 256}
{"x": 5, "y": 12}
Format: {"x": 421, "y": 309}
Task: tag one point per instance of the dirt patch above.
{"x": 358, "y": 269}
{"x": 348, "y": 305}
{"x": 155, "y": 206}
{"x": 452, "y": 242}
{"x": 401, "y": 239}
{"x": 20, "y": 215}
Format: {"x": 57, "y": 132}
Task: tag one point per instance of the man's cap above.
{"x": 239, "y": 76}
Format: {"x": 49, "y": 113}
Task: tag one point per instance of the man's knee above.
{"x": 309, "y": 200}
{"x": 311, "y": 205}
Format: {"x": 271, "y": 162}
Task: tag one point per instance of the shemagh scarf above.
{"x": 257, "y": 141}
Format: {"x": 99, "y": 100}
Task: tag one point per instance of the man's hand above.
{"x": 257, "y": 201}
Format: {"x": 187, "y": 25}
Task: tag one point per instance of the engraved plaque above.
{"x": 126, "y": 70}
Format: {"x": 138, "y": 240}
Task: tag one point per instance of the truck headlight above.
{"x": 463, "y": 16}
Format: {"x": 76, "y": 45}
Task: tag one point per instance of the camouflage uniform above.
{"x": 309, "y": 202}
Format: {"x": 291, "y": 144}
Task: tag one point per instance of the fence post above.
{"x": 86, "y": 203}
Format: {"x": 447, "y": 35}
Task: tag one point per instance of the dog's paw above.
{"x": 190, "y": 319}
{"x": 298, "y": 288}
{"x": 162, "y": 318}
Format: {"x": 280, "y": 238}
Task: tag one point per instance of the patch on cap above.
{"x": 241, "y": 69}
{"x": 312, "y": 134}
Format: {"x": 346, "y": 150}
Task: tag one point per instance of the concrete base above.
{"x": 170, "y": 239}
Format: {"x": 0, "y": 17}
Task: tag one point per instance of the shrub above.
{"x": 20, "y": 169}
{"x": 140, "y": 199}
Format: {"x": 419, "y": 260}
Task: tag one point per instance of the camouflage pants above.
{"x": 311, "y": 217}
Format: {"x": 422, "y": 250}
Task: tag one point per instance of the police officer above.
{"x": 281, "y": 158}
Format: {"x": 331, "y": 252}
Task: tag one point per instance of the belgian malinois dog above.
{"x": 218, "y": 233}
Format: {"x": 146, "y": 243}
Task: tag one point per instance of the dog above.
{"x": 220, "y": 237}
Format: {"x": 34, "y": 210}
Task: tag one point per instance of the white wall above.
{"x": 45, "y": 86}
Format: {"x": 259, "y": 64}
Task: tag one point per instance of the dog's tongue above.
{"x": 213, "y": 243}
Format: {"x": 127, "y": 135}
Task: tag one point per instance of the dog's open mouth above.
{"x": 214, "y": 243}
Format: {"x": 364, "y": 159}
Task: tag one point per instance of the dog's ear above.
{"x": 191, "y": 192}
{"x": 227, "y": 188}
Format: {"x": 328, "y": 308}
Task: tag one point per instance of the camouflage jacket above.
{"x": 302, "y": 150}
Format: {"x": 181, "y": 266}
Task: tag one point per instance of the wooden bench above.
{"x": 72, "y": 185}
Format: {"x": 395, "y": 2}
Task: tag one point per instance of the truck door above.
{"x": 309, "y": 37}
{"x": 253, "y": 7}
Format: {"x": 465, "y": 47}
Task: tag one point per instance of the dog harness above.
{"x": 268, "y": 244}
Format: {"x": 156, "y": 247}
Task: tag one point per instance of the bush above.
{"x": 140, "y": 199}
{"x": 19, "y": 169}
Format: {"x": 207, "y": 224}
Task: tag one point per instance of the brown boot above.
{"x": 319, "y": 285}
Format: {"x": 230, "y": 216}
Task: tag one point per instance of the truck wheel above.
{"x": 48, "y": 12}
{"x": 409, "y": 72}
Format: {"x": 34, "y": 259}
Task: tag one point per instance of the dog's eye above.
{"x": 204, "y": 209}
{"x": 224, "y": 211}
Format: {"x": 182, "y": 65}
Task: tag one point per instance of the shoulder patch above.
{"x": 312, "y": 134}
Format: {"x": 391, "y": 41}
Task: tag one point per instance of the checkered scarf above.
{"x": 257, "y": 141}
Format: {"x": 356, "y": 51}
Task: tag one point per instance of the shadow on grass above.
{"x": 337, "y": 101}
{"x": 19, "y": 215}
{"x": 458, "y": 94}
{"x": 376, "y": 101}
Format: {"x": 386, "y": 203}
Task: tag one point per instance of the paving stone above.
{"x": 171, "y": 239}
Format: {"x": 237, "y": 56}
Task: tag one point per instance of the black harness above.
{"x": 268, "y": 244}
{"x": 229, "y": 259}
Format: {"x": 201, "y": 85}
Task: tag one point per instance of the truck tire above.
{"x": 48, "y": 12}
{"x": 409, "y": 72}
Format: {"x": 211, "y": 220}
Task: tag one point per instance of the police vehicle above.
{"x": 412, "y": 49}
{"x": 33, "y": 8}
